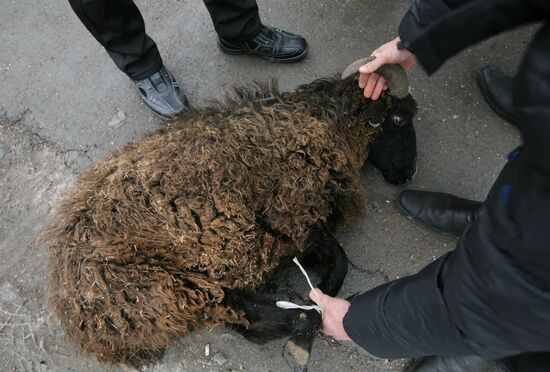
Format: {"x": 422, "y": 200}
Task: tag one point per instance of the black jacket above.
{"x": 491, "y": 295}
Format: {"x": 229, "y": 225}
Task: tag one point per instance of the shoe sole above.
{"x": 485, "y": 93}
{"x": 268, "y": 58}
{"x": 166, "y": 117}
{"x": 161, "y": 116}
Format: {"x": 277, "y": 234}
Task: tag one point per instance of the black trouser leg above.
{"x": 119, "y": 27}
{"x": 235, "y": 19}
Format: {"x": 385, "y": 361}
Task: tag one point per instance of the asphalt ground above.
{"x": 60, "y": 107}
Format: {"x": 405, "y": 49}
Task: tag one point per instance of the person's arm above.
{"x": 467, "y": 25}
{"x": 446, "y": 37}
{"x": 393, "y": 320}
{"x": 406, "y": 318}
{"x": 403, "y": 318}
{"x": 488, "y": 297}
{"x": 424, "y": 13}
{"x": 420, "y": 15}
{"x": 459, "y": 29}
{"x": 435, "y": 30}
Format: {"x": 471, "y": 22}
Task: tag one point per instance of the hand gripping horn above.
{"x": 395, "y": 76}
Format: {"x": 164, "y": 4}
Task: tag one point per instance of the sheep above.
{"x": 181, "y": 230}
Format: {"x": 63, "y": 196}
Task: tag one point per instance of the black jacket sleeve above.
{"x": 462, "y": 23}
{"x": 423, "y": 13}
{"x": 466, "y": 25}
{"x": 406, "y": 318}
{"x": 491, "y": 295}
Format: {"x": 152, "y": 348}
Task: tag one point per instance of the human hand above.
{"x": 334, "y": 310}
{"x": 372, "y": 83}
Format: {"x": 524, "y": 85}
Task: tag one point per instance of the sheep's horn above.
{"x": 395, "y": 76}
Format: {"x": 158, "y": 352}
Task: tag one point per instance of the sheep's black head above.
{"x": 394, "y": 153}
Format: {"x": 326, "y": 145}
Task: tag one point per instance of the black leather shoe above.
{"x": 271, "y": 43}
{"x": 161, "y": 93}
{"x": 438, "y": 211}
{"x": 496, "y": 88}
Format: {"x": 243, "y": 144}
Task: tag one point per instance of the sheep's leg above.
{"x": 334, "y": 265}
{"x": 333, "y": 262}
{"x": 269, "y": 322}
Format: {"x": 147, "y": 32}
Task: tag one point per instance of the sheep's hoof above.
{"x": 296, "y": 353}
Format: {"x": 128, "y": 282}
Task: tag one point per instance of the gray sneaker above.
{"x": 161, "y": 93}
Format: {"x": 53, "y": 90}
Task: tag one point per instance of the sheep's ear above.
{"x": 395, "y": 76}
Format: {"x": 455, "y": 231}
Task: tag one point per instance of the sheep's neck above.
{"x": 335, "y": 101}
{"x": 357, "y": 133}
{"x": 359, "y": 137}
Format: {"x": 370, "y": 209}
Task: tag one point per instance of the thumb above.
{"x": 372, "y": 66}
{"x": 316, "y": 295}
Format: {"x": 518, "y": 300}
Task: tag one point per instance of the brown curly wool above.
{"x": 148, "y": 240}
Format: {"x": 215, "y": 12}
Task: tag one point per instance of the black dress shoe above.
{"x": 161, "y": 93}
{"x": 496, "y": 88}
{"x": 271, "y": 43}
{"x": 438, "y": 211}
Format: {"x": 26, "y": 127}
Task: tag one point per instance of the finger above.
{"x": 316, "y": 295}
{"x": 373, "y": 65}
{"x": 322, "y": 328}
{"x": 363, "y": 80}
{"x": 371, "y": 83}
{"x": 378, "y": 88}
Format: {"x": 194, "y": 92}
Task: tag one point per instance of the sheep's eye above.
{"x": 398, "y": 120}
